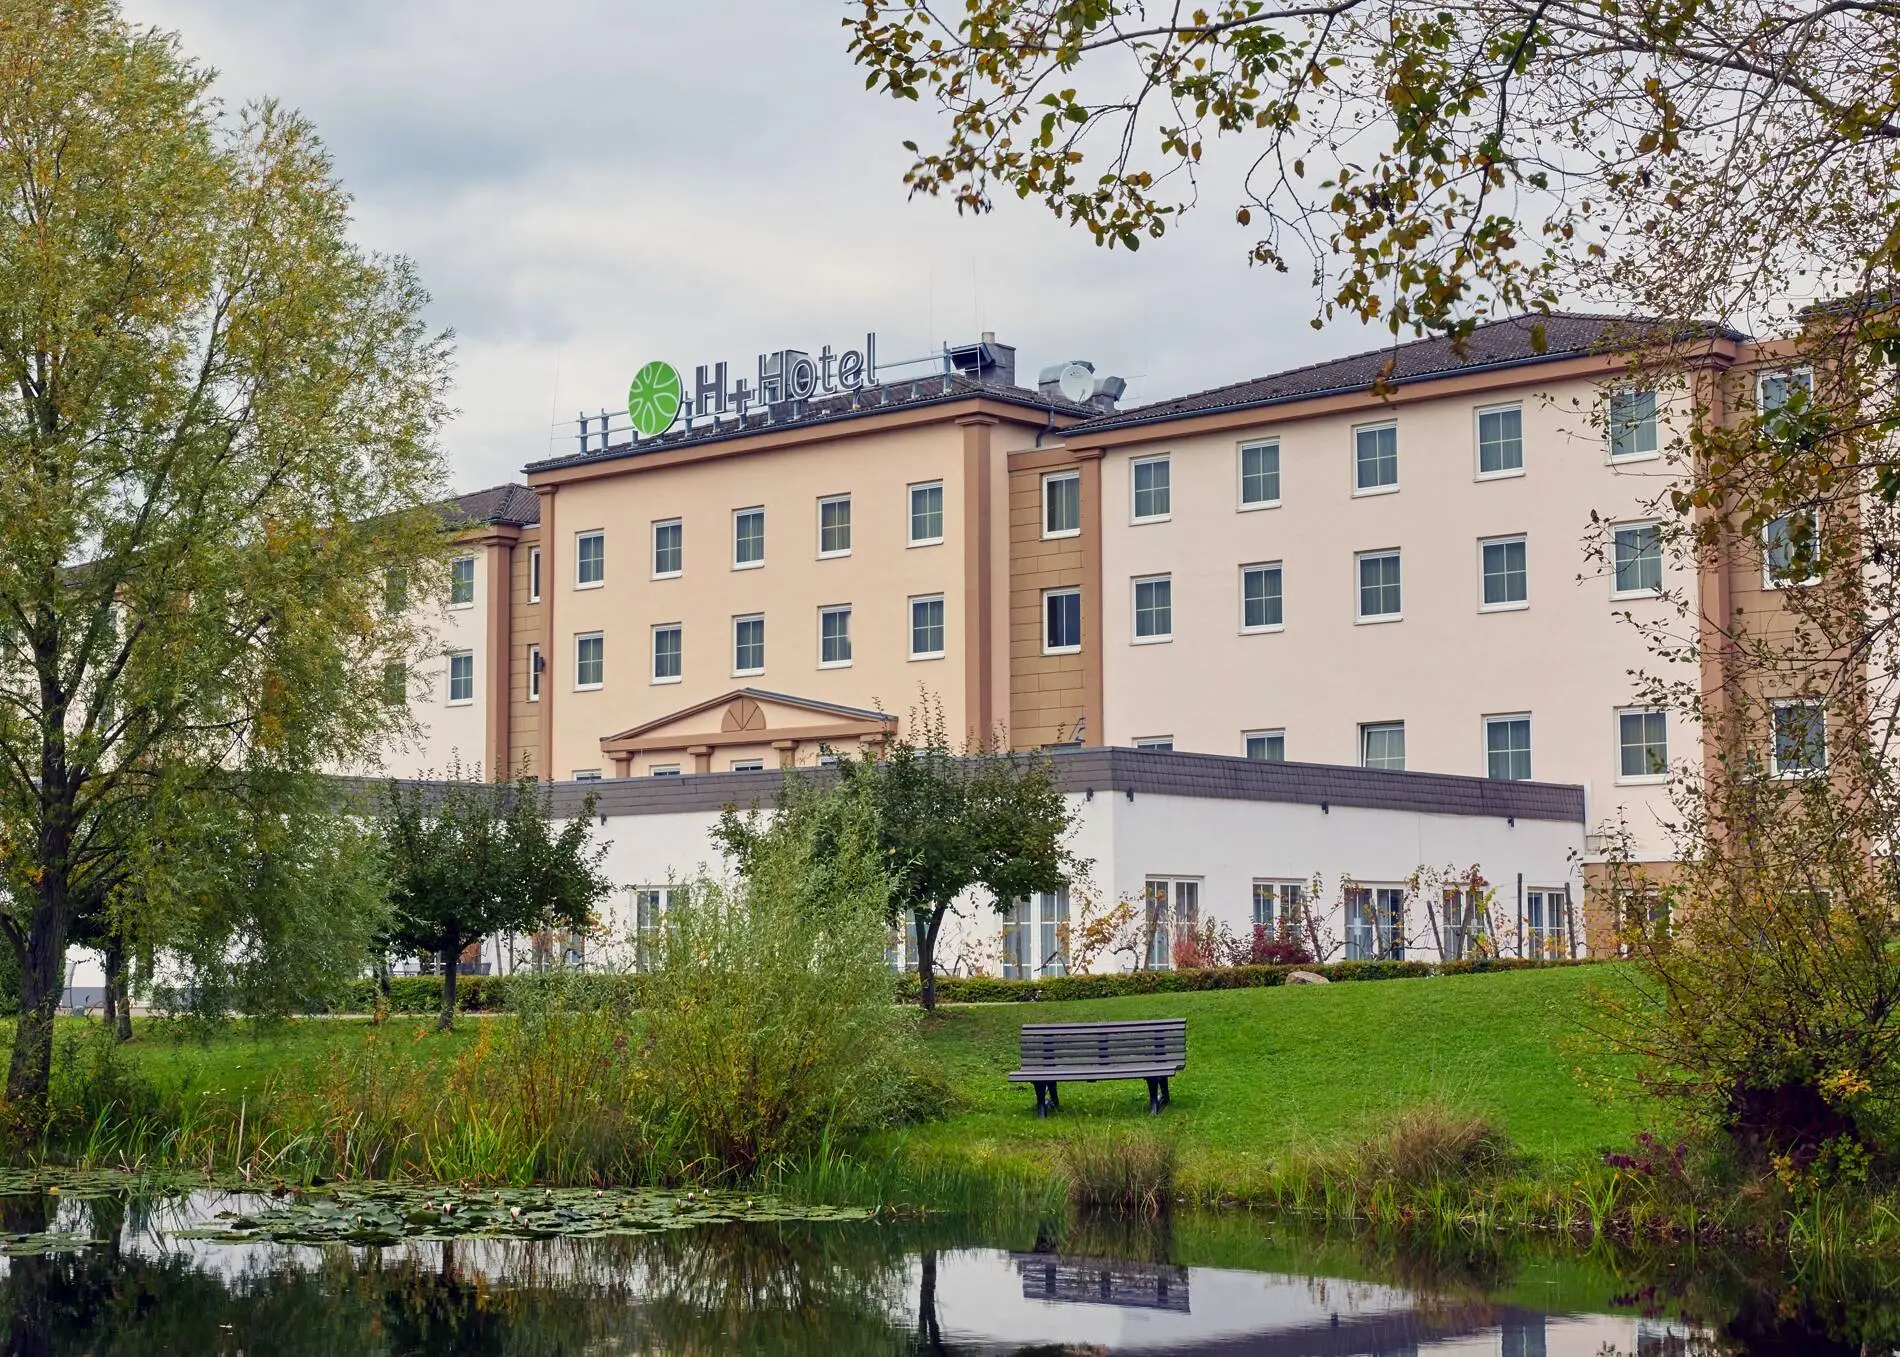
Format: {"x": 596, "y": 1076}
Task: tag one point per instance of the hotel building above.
{"x": 1376, "y": 563}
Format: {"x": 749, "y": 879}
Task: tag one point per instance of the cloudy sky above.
{"x": 585, "y": 185}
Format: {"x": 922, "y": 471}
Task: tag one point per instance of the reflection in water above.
{"x": 1222, "y": 1287}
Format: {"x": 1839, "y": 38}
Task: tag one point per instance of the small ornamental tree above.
{"x": 467, "y": 859}
{"x": 949, "y": 821}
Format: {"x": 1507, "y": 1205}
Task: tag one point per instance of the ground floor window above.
{"x": 650, "y": 904}
{"x": 1546, "y": 911}
{"x": 1375, "y": 923}
{"x": 1460, "y": 931}
{"x": 1172, "y": 910}
{"x": 1279, "y": 909}
{"x": 1036, "y": 936}
{"x": 901, "y": 952}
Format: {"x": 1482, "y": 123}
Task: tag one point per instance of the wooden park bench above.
{"x": 1089, "y": 1052}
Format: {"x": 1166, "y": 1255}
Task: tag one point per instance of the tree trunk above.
{"x": 927, "y": 924}
{"x": 114, "y": 960}
{"x": 451, "y": 959}
{"x": 42, "y": 974}
{"x": 125, "y": 999}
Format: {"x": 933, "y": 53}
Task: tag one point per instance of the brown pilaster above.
{"x": 550, "y": 656}
{"x": 498, "y": 641}
{"x": 1094, "y": 597}
{"x": 979, "y": 607}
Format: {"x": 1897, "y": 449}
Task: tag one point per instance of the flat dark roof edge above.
{"x": 1214, "y": 777}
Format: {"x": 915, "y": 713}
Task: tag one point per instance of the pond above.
{"x": 107, "y": 1269}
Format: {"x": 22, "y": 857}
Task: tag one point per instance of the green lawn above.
{"x": 1272, "y": 1071}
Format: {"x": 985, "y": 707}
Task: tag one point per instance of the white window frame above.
{"x": 1366, "y": 728}
{"x": 663, "y": 770}
{"x": 832, "y": 610}
{"x": 1164, "y": 925}
{"x": 534, "y": 574}
{"x": 1500, "y": 718}
{"x": 1134, "y": 614}
{"x": 1279, "y": 568}
{"x": 453, "y": 656}
{"x": 1273, "y": 892}
{"x": 1616, "y": 729}
{"x": 911, "y": 634}
{"x": 1609, "y": 439}
{"x": 1053, "y": 477}
{"x": 752, "y": 765}
{"x": 737, "y": 514}
{"x": 1398, "y": 476}
{"x": 1657, "y": 592}
{"x": 653, "y": 652}
{"x": 601, "y": 682}
{"x": 585, "y": 775}
{"x": 824, "y": 503}
{"x": 1154, "y": 744}
{"x": 1762, "y": 376}
{"x": 1067, "y": 591}
{"x": 1360, "y": 616}
{"x": 583, "y": 536}
{"x": 1134, "y": 515}
{"x": 1245, "y": 505}
{"x": 1514, "y": 605}
{"x": 910, "y": 514}
{"x": 653, "y": 548}
{"x": 1768, "y": 580}
{"x": 1779, "y": 705}
{"x": 534, "y": 673}
{"x": 1247, "y": 737}
{"x": 1477, "y": 441}
{"x": 733, "y": 641}
{"x": 455, "y": 565}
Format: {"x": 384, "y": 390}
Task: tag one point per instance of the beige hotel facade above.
{"x": 1378, "y": 562}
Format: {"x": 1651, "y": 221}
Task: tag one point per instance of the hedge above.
{"x": 490, "y": 993}
{"x": 982, "y": 989}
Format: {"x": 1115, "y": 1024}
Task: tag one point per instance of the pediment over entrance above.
{"x": 744, "y": 724}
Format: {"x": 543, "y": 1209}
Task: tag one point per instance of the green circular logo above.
{"x": 653, "y": 400}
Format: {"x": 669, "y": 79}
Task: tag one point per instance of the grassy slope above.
{"x": 1275, "y": 1071}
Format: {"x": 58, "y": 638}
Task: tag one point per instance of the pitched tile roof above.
{"x": 1517, "y": 342}
{"x": 515, "y": 505}
{"x": 935, "y": 389}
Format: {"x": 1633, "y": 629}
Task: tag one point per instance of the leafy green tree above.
{"x": 216, "y": 437}
{"x": 468, "y": 859}
{"x": 948, "y": 821}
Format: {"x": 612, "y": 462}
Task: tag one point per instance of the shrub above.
{"x": 983, "y": 989}
{"x": 1119, "y": 1171}
{"x": 771, "y": 1030}
{"x": 1267, "y": 948}
{"x": 1430, "y": 1146}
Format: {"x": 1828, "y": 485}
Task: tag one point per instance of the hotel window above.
{"x": 668, "y": 650}
{"x": 1375, "y": 923}
{"x": 1062, "y": 504}
{"x": 586, "y": 775}
{"x": 926, "y": 514}
{"x": 1503, "y": 578}
{"x": 1773, "y": 389}
{"x": 1265, "y": 746}
{"x": 1155, "y": 744}
{"x": 1154, "y": 608}
{"x": 664, "y": 770}
{"x": 834, "y": 526}
{"x": 1259, "y": 475}
{"x": 834, "y": 636}
{"x": 1153, "y": 494}
{"x": 1035, "y": 936}
{"x": 926, "y": 628}
{"x": 1379, "y": 598}
{"x": 395, "y": 683}
{"x": 461, "y": 677}
{"x": 748, "y": 538}
{"x": 748, "y": 765}
{"x": 590, "y": 559}
{"x": 669, "y": 548}
{"x": 1501, "y": 441}
{"x": 1458, "y": 907}
{"x": 650, "y": 904}
{"x": 395, "y": 590}
{"x": 1800, "y": 738}
{"x": 462, "y": 582}
{"x": 1375, "y": 459}
{"x": 590, "y": 661}
{"x": 1642, "y": 735}
{"x": 1260, "y": 599}
{"x": 748, "y": 645}
{"x": 1632, "y": 424}
{"x": 534, "y": 574}
{"x": 1171, "y": 908}
{"x": 1382, "y": 745}
{"x": 1636, "y": 555}
{"x": 1790, "y": 547}
{"x": 534, "y": 673}
{"x": 1279, "y": 909}
{"x": 1507, "y": 748}
{"x": 1061, "y": 621}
